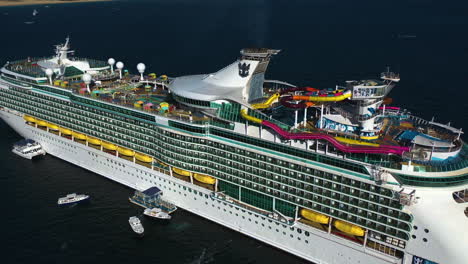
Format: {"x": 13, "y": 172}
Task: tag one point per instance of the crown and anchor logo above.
{"x": 243, "y": 69}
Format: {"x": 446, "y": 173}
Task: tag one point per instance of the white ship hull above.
{"x": 318, "y": 247}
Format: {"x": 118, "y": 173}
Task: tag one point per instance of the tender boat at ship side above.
{"x": 73, "y": 198}
{"x": 28, "y": 149}
{"x": 157, "y": 213}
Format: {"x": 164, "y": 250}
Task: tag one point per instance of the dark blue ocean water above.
{"x": 323, "y": 43}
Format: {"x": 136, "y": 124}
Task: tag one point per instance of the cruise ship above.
{"x": 332, "y": 175}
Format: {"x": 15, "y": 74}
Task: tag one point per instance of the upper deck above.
{"x": 352, "y": 122}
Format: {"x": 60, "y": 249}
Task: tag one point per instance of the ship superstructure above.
{"x": 332, "y": 175}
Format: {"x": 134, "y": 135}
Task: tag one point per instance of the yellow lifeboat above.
{"x": 204, "y": 178}
{"x": 181, "y": 172}
{"x": 143, "y": 158}
{"x": 29, "y": 118}
{"x": 125, "y": 151}
{"x": 349, "y": 228}
{"x": 92, "y": 140}
{"x": 315, "y": 217}
{"x": 41, "y": 122}
{"x": 65, "y": 131}
{"x": 108, "y": 145}
{"x": 79, "y": 136}
{"x": 52, "y": 126}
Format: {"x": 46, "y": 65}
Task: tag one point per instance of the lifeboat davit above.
{"x": 143, "y": 157}
{"x": 181, "y": 172}
{"x": 204, "y": 178}
{"x": 29, "y": 118}
{"x": 79, "y": 136}
{"x": 41, "y": 123}
{"x": 349, "y": 228}
{"x": 53, "y": 126}
{"x": 94, "y": 141}
{"x": 108, "y": 145}
{"x": 65, "y": 131}
{"x": 126, "y": 152}
{"x": 315, "y": 217}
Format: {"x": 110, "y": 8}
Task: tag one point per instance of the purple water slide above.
{"x": 350, "y": 149}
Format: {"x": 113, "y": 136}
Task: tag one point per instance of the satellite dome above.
{"x": 49, "y": 72}
{"x": 86, "y": 78}
{"x": 141, "y": 67}
{"x": 119, "y": 65}
{"x": 111, "y": 61}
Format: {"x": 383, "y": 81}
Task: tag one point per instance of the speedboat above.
{"x": 157, "y": 213}
{"x": 72, "y": 199}
{"x": 136, "y": 225}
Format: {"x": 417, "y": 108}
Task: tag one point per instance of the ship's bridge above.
{"x": 241, "y": 81}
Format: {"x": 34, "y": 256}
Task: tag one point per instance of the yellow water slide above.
{"x": 355, "y": 142}
{"x": 314, "y": 216}
{"x": 143, "y": 157}
{"x": 181, "y": 172}
{"x": 244, "y": 115}
{"x": 204, "y": 178}
{"x": 328, "y": 98}
{"x": 267, "y": 103}
{"x": 125, "y": 151}
{"x": 349, "y": 228}
{"x": 108, "y": 146}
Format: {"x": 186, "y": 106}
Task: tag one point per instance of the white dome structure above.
{"x": 111, "y": 62}
{"x": 141, "y": 69}
{"x": 87, "y": 79}
{"x": 49, "y": 72}
{"x": 120, "y": 66}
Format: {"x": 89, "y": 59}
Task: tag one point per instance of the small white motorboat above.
{"x": 72, "y": 198}
{"x": 157, "y": 213}
{"x": 136, "y": 225}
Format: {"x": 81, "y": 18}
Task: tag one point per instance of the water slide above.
{"x": 299, "y": 89}
{"x": 326, "y": 98}
{"x": 267, "y": 103}
{"x": 308, "y": 100}
{"x": 275, "y": 96}
{"x": 285, "y": 101}
{"x": 382, "y": 149}
{"x": 356, "y": 142}
{"x": 390, "y": 108}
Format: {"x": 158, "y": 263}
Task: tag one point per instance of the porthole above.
{"x": 415, "y": 227}
{"x": 306, "y": 233}
{"x": 426, "y": 230}
{"x": 413, "y": 236}
{"x": 425, "y": 239}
